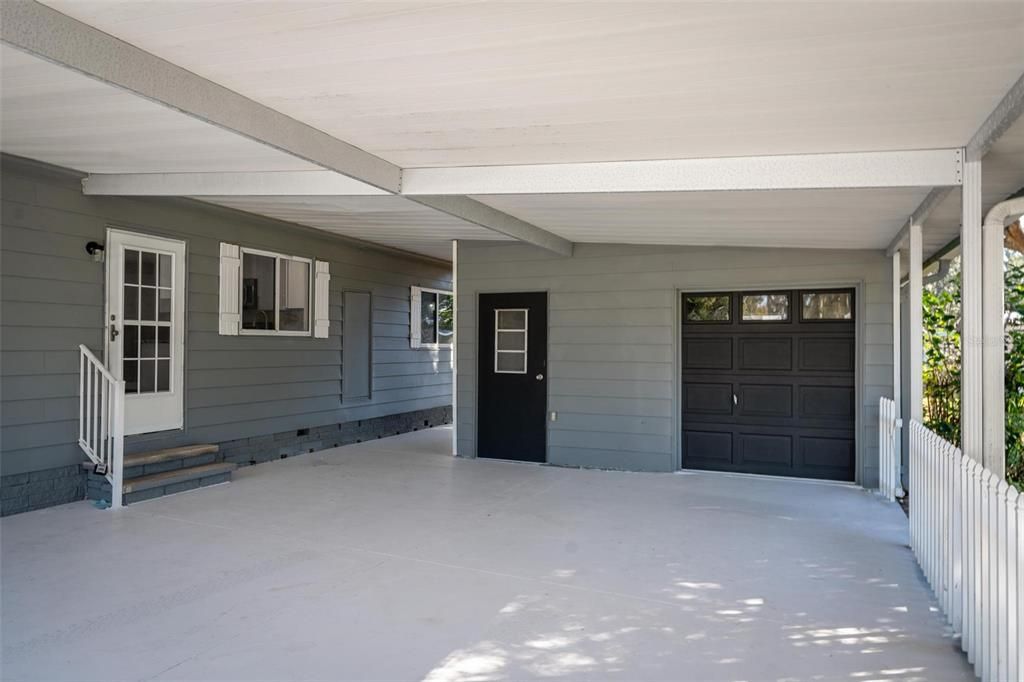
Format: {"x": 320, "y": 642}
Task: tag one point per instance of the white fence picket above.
{"x": 967, "y": 532}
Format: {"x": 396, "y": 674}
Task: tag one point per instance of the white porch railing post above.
{"x": 117, "y": 459}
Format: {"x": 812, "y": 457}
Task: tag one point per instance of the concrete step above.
{"x": 158, "y": 456}
{"x": 166, "y": 478}
{"x": 164, "y": 483}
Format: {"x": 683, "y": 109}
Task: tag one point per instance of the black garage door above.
{"x": 768, "y": 383}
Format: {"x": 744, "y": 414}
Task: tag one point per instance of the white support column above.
{"x": 993, "y": 354}
{"x": 971, "y": 300}
{"x": 897, "y": 369}
{"x": 915, "y": 361}
{"x": 993, "y": 360}
{"x": 455, "y": 347}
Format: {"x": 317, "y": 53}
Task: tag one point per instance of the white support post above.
{"x": 897, "y": 370}
{"x": 455, "y": 347}
{"x": 915, "y": 361}
{"x": 971, "y": 415}
{"x": 993, "y": 360}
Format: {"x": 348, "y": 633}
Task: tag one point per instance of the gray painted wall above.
{"x": 52, "y": 297}
{"x": 614, "y": 334}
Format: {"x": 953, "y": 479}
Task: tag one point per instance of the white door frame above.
{"x": 151, "y": 412}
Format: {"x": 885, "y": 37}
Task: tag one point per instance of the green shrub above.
{"x": 942, "y": 324}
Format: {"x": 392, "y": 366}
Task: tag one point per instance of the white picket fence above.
{"x": 967, "y": 531}
{"x": 101, "y": 420}
{"x": 889, "y": 464}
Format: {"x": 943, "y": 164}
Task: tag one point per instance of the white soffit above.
{"x": 1002, "y": 174}
{"x": 471, "y": 83}
{"x": 387, "y": 220}
{"x": 62, "y": 117}
{"x": 852, "y": 218}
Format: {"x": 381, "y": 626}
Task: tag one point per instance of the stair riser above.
{"x": 98, "y": 488}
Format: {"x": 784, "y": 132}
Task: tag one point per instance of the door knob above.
{"x": 540, "y": 377}
{"x": 113, "y": 331}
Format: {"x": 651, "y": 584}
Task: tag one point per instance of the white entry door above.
{"x": 146, "y": 327}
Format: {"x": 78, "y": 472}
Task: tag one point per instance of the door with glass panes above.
{"x": 145, "y": 327}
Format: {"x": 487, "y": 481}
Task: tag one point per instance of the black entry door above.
{"x": 768, "y": 383}
{"x": 512, "y": 365}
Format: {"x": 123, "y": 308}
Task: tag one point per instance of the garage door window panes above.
{"x": 826, "y": 305}
{"x": 510, "y": 327}
{"x": 708, "y": 308}
{"x": 767, "y": 307}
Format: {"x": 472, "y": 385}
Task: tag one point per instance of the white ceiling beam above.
{"x": 39, "y": 30}
{"x": 477, "y": 213}
{"x": 1006, "y": 113}
{"x": 924, "y": 168}
{"x": 918, "y": 217}
{"x": 250, "y": 184}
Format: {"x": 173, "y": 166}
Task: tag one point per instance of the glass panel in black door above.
{"x": 512, "y": 384}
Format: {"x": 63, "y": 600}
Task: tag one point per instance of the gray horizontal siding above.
{"x": 236, "y": 386}
{"x": 613, "y": 339}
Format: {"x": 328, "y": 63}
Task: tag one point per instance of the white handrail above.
{"x": 101, "y": 420}
{"x": 967, "y": 532}
{"x": 890, "y": 463}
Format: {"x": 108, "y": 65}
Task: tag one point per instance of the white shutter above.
{"x": 321, "y": 300}
{"x": 230, "y": 289}
{"x": 414, "y": 317}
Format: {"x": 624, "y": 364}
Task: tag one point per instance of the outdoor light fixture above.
{"x": 95, "y": 249}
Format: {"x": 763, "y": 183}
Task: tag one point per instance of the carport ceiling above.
{"x": 59, "y": 116}
{"x": 406, "y": 95}
{"x": 387, "y": 220}
{"x": 484, "y": 83}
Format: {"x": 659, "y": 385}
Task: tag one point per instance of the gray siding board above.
{"x": 613, "y": 335}
{"x": 236, "y": 387}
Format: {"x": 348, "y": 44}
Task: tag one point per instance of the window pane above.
{"x": 428, "y": 317}
{"x": 131, "y": 341}
{"x": 165, "y": 270}
{"x": 294, "y": 295}
{"x": 258, "y": 291}
{"x": 131, "y": 376}
{"x": 163, "y": 375}
{"x": 511, "y": 363}
{"x": 131, "y": 266}
{"x": 163, "y": 308}
{"x": 131, "y": 303}
{"x": 147, "y": 345}
{"x": 828, "y": 305}
{"x": 707, "y": 308}
{"x": 511, "y": 340}
{"x": 147, "y": 303}
{"x": 147, "y": 376}
{"x": 766, "y": 307}
{"x": 163, "y": 342}
{"x": 511, "y": 319}
{"x": 149, "y": 268}
{"x": 445, "y": 319}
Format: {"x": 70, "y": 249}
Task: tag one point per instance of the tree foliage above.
{"x": 942, "y": 326}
